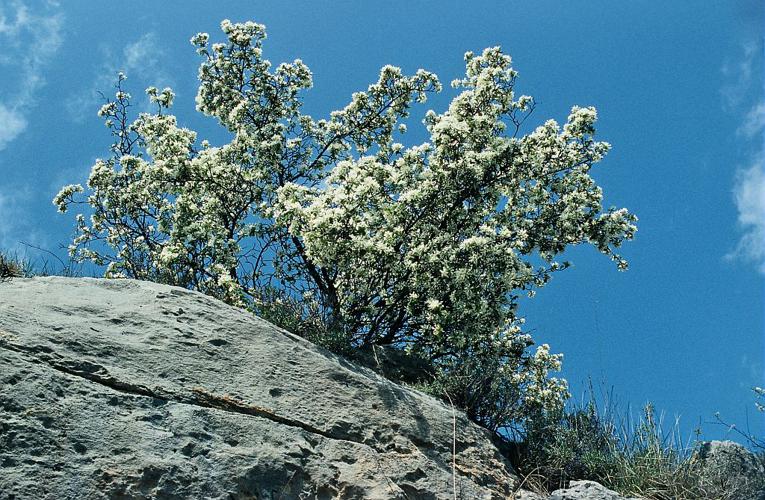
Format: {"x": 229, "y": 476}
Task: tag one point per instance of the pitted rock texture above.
{"x": 587, "y": 490}
{"x": 128, "y": 389}
{"x": 577, "y": 490}
{"x": 732, "y": 471}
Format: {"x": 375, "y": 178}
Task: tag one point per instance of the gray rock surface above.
{"x": 529, "y": 495}
{"x": 586, "y": 490}
{"x": 732, "y": 471}
{"x": 577, "y": 490}
{"x": 127, "y": 389}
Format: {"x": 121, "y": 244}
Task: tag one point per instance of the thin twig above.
{"x": 63, "y": 265}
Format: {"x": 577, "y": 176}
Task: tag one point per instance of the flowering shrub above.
{"x": 426, "y": 248}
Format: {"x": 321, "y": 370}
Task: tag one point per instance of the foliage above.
{"x": 562, "y": 446}
{"x": 12, "y": 267}
{"x": 638, "y": 459}
{"x": 331, "y": 226}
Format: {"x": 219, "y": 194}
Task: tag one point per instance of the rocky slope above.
{"x": 127, "y": 389}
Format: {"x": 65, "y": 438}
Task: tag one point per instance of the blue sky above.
{"x": 679, "y": 90}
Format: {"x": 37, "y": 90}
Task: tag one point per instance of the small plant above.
{"x": 11, "y": 266}
{"x": 634, "y": 458}
{"x": 569, "y": 445}
{"x": 301, "y": 317}
{"x": 654, "y": 463}
{"x": 50, "y": 264}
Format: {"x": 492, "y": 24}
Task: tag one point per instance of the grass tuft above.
{"x": 635, "y": 457}
{"x": 49, "y": 264}
{"x": 12, "y": 266}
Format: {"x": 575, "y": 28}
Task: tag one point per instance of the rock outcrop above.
{"x": 732, "y": 471}
{"x": 127, "y": 389}
{"x": 577, "y": 490}
{"x": 587, "y": 490}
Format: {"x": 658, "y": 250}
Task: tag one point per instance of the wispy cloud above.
{"x": 12, "y": 124}
{"x": 141, "y": 60}
{"x": 749, "y": 180}
{"x": 30, "y": 40}
{"x": 739, "y": 75}
{"x": 749, "y": 195}
{"x": 754, "y": 122}
{"x": 143, "y": 55}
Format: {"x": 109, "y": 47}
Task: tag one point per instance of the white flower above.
{"x": 433, "y": 304}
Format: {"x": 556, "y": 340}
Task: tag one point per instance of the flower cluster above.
{"x": 426, "y": 248}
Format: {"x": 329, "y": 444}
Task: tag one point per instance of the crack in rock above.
{"x": 198, "y": 396}
{"x": 155, "y": 404}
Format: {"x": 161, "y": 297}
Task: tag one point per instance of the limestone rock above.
{"x": 577, "y": 490}
{"x": 732, "y": 471}
{"x": 128, "y": 389}
{"x": 586, "y": 490}
{"x": 528, "y": 495}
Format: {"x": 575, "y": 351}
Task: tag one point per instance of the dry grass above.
{"x": 46, "y": 264}
{"x": 640, "y": 457}
{"x": 13, "y": 267}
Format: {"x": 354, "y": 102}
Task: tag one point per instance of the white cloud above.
{"x": 749, "y": 195}
{"x": 744, "y": 79}
{"x": 12, "y": 124}
{"x": 142, "y": 62}
{"x": 739, "y": 75}
{"x": 754, "y": 122}
{"x": 30, "y": 40}
{"x": 12, "y": 27}
{"x": 143, "y": 54}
